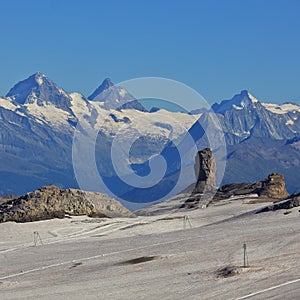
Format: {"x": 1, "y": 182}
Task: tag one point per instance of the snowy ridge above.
{"x": 282, "y": 108}
{"x": 8, "y": 104}
{"x": 38, "y": 120}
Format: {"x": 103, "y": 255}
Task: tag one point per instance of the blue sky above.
{"x": 216, "y": 47}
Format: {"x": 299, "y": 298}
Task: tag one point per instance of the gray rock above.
{"x": 205, "y": 188}
{"x": 272, "y": 187}
{"x": 205, "y": 171}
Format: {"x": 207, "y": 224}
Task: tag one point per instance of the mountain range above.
{"x": 38, "y": 120}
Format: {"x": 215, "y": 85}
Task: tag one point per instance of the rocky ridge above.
{"x": 272, "y": 187}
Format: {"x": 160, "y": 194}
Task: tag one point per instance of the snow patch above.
{"x": 289, "y": 122}
{"x": 252, "y": 98}
{"x": 39, "y": 79}
{"x": 238, "y": 107}
{"x": 122, "y": 92}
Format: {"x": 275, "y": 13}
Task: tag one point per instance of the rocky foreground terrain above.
{"x": 52, "y": 202}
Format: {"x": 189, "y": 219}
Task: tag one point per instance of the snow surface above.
{"x": 39, "y": 80}
{"x": 79, "y": 106}
{"x": 238, "y": 107}
{"x": 282, "y": 109}
{"x": 252, "y": 98}
{"x": 83, "y": 258}
{"x": 146, "y": 123}
{"x": 48, "y": 113}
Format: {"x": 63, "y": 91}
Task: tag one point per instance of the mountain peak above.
{"x": 38, "y": 77}
{"x": 106, "y": 84}
{"x": 115, "y": 97}
{"x": 246, "y": 93}
{"x": 238, "y": 102}
{"x": 39, "y": 74}
{"x": 37, "y": 88}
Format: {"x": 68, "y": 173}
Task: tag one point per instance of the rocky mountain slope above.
{"x": 52, "y": 202}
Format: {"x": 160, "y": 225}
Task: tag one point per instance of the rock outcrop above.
{"x": 272, "y": 187}
{"x": 293, "y": 201}
{"x": 52, "y": 202}
{"x": 205, "y": 171}
{"x": 205, "y": 187}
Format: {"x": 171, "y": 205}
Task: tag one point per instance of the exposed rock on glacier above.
{"x": 205, "y": 171}
{"x": 272, "y": 187}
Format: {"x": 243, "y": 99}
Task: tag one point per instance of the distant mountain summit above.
{"x": 244, "y": 116}
{"x": 106, "y": 84}
{"x": 115, "y": 97}
{"x": 40, "y": 90}
{"x": 244, "y": 100}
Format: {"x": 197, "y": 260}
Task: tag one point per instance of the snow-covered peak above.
{"x": 240, "y": 101}
{"x": 39, "y": 89}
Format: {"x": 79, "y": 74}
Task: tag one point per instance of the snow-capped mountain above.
{"x": 37, "y": 123}
{"x": 38, "y": 120}
{"x": 244, "y": 116}
{"x": 40, "y": 90}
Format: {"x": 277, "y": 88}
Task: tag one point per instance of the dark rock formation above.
{"x": 52, "y": 202}
{"x": 292, "y": 202}
{"x": 205, "y": 171}
{"x": 273, "y": 187}
{"x": 205, "y": 188}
